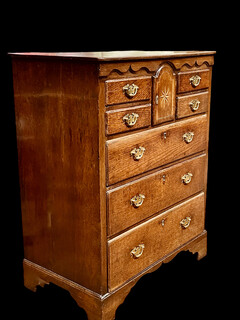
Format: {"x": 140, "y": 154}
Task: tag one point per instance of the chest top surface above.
{"x": 116, "y": 55}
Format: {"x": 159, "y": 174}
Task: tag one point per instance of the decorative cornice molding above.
{"x": 131, "y": 69}
{"x": 151, "y": 66}
{"x": 196, "y": 64}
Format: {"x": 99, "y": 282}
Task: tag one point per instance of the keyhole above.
{"x": 164, "y": 178}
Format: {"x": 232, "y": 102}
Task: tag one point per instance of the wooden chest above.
{"x": 113, "y": 153}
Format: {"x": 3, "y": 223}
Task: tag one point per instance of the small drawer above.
{"x": 128, "y": 119}
{"x": 127, "y": 90}
{"x": 190, "y": 104}
{"x": 193, "y": 80}
{"x": 139, "y": 152}
{"x": 135, "y": 201}
{"x": 140, "y": 247}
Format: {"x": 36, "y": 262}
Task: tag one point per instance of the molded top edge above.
{"x": 115, "y": 55}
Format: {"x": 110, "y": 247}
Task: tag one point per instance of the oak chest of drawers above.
{"x": 113, "y": 153}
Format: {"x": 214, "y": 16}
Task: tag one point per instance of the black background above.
{"x": 183, "y": 287}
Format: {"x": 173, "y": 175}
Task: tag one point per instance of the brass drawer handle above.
{"x": 137, "y": 201}
{"x": 185, "y": 223}
{"x": 188, "y": 137}
{"x": 195, "y": 80}
{"x": 130, "y": 90}
{"x": 137, "y": 153}
{"x": 194, "y": 104}
{"x": 186, "y": 179}
{"x": 130, "y": 119}
{"x": 137, "y": 251}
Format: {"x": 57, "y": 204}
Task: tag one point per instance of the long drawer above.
{"x": 138, "y": 248}
{"x": 134, "y": 154}
{"x": 141, "y": 198}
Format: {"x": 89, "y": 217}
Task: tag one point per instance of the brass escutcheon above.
{"x": 188, "y": 137}
{"x": 137, "y": 251}
{"x": 186, "y": 179}
{"x": 130, "y": 90}
{"x": 185, "y": 223}
{"x": 130, "y": 119}
{"x": 137, "y": 153}
{"x": 194, "y": 104}
{"x": 195, "y": 80}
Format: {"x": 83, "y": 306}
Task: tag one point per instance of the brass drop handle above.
{"x": 137, "y": 200}
{"x": 185, "y": 223}
{"x": 130, "y": 90}
{"x": 130, "y": 119}
{"x": 194, "y": 104}
{"x": 137, "y": 153}
{"x": 188, "y": 137}
{"x": 186, "y": 179}
{"x": 137, "y": 251}
{"x": 195, "y": 80}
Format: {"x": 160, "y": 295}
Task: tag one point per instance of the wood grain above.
{"x": 183, "y": 104}
{"x": 115, "y": 123}
{"x": 115, "y": 93}
{"x": 162, "y": 145}
{"x": 60, "y": 192}
{"x": 159, "y": 240}
{"x": 161, "y": 190}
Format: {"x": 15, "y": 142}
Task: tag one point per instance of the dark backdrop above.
{"x": 184, "y": 286}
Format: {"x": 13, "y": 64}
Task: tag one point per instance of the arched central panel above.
{"x": 164, "y": 94}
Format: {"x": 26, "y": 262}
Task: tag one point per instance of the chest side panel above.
{"x": 58, "y": 147}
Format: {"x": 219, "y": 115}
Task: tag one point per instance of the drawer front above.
{"x": 191, "y": 104}
{"x": 127, "y": 90}
{"x": 140, "y": 199}
{"x": 127, "y": 119}
{"x": 140, "y": 152}
{"x": 138, "y": 248}
{"x": 193, "y": 80}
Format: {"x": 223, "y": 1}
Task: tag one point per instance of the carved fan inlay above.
{"x": 165, "y": 95}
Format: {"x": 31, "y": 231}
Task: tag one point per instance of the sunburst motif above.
{"x": 165, "y": 95}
